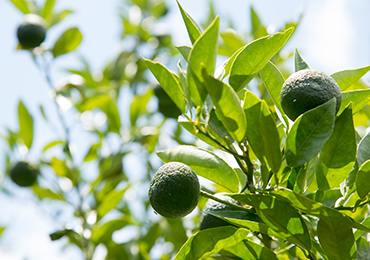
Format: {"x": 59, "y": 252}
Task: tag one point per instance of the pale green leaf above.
{"x": 363, "y": 180}
{"x": 309, "y": 133}
{"x": 299, "y": 63}
{"x": 200, "y": 245}
{"x": 280, "y": 216}
{"x": 169, "y": 81}
{"x": 254, "y": 56}
{"x": 203, "y": 54}
{"x": 359, "y": 99}
{"x": 185, "y": 51}
{"x": 346, "y": 78}
{"x": 203, "y": 163}
{"x": 22, "y": 6}
{"x": 48, "y": 8}
{"x": 263, "y": 135}
{"x": 228, "y": 107}
{"x": 363, "y": 150}
{"x": 273, "y": 80}
{"x": 336, "y": 236}
{"x": 67, "y": 42}
{"x": 193, "y": 28}
{"x": 25, "y": 120}
{"x": 110, "y": 201}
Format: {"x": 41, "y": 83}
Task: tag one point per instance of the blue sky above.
{"x": 334, "y": 35}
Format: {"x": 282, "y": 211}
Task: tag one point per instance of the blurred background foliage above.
{"x": 121, "y": 114}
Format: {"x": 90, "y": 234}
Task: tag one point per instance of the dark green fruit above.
{"x": 165, "y": 104}
{"x": 210, "y": 221}
{"x": 24, "y": 174}
{"x": 31, "y": 33}
{"x": 307, "y": 89}
{"x": 174, "y": 190}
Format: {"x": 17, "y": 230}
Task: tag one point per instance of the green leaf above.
{"x": 52, "y": 144}
{"x": 73, "y": 236}
{"x": 67, "y": 42}
{"x": 228, "y": 106}
{"x": 254, "y": 56}
{"x": 48, "y": 8}
{"x": 211, "y": 241}
{"x": 363, "y": 180}
{"x": 231, "y": 43}
{"x": 110, "y": 201}
{"x": 92, "y": 154}
{"x": 299, "y": 202}
{"x": 309, "y": 133}
{"x": 43, "y": 193}
{"x": 280, "y": 216}
{"x": 138, "y": 106}
{"x": 58, "y": 17}
{"x": 363, "y": 249}
{"x": 203, "y": 54}
{"x": 363, "y": 150}
{"x": 250, "y": 250}
{"x": 203, "y": 163}
{"x": 299, "y": 63}
{"x": 22, "y": 6}
{"x": 102, "y": 233}
{"x": 359, "y": 99}
{"x": 338, "y": 153}
{"x": 25, "y": 120}
{"x": 107, "y": 105}
{"x": 340, "y": 149}
{"x": 258, "y": 29}
{"x": 346, "y": 78}
{"x": 60, "y": 167}
{"x": 185, "y": 51}
{"x": 169, "y": 81}
{"x": 263, "y": 135}
{"x": 193, "y": 28}
{"x": 336, "y": 236}
{"x": 241, "y": 220}
{"x": 2, "y": 229}
{"x": 273, "y": 80}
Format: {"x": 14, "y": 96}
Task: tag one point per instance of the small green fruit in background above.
{"x": 174, "y": 190}
{"x": 24, "y": 174}
{"x": 307, "y": 89}
{"x": 165, "y": 104}
{"x": 32, "y": 31}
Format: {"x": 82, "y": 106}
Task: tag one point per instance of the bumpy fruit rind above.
{"x": 307, "y": 89}
{"x": 174, "y": 190}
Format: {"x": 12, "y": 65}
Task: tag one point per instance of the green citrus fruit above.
{"x": 24, "y": 174}
{"x": 210, "y": 221}
{"x": 174, "y": 190}
{"x": 165, "y": 104}
{"x": 307, "y": 89}
{"x": 31, "y": 33}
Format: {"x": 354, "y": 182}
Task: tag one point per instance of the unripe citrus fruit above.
{"x": 307, "y": 89}
{"x": 165, "y": 104}
{"x": 174, "y": 190}
{"x": 31, "y": 33}
{"x": 210, "y": 221}
{"x": 24, "y": 174}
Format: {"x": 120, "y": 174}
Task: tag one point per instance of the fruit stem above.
{"x": 210, "y": 196}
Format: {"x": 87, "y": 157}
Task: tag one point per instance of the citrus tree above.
{"x": 101, "y": 122}
{"x": 279, "y": 186}
{"x": 299, "y": 178}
